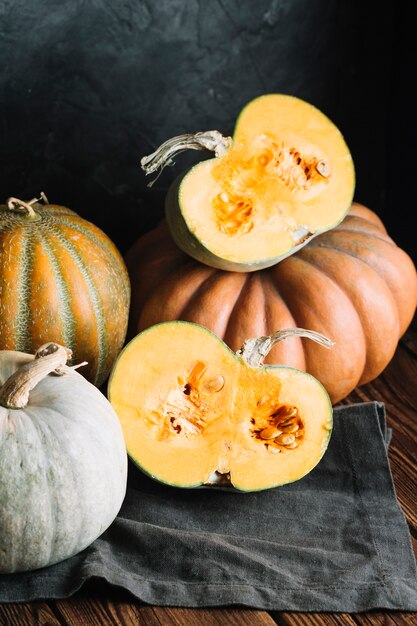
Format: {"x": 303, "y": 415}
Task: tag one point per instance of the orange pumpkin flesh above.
{"x": 287, "y": 177}
{"x": 352, "y": 283}
{"x": 190, "y": 407}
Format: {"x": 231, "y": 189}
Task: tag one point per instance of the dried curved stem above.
{"x": 254, "y": 351}
{"x": 163, "y": 156}
{"x": 50, "y": 357}
{"x": 14, "y": 204}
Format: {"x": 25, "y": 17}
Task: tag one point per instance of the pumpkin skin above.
{"x": 63, "y": 469}
{"x": 193, "y": 412}
{"x": 353, "y": 284}
{"x": 286, "y": 176}
{"x": 62, "y": 279}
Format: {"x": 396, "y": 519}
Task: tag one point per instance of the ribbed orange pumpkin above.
{"x": 352, "y": 283}
{"x": 63, "y": 280}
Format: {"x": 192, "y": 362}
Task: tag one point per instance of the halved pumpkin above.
{"x": 195, "y": 413}
{"x": 286, "y": 176}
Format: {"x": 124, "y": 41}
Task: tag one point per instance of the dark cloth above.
{"x": 336, "y": 540}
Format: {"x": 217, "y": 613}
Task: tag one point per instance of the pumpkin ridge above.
{"x": 200, "y": 289}
{"x": 213, "y": 294}
{"x": 23, "y": 339}
{"x": 307, "y": 354}
{"x": 338, "y": 250}
{"x": 102, "y": 339}
{"x": 403, "y": 318}
{"x": 263, "y": 305}
{"x": 148, "y": 289}
{"x": 300, "y": 257}
{"x": 363, "y": 212}
{"x": 68, "y": 326}
{"x": 394, "y": 308}
{"x": 75, "y": 225}
{"x": 32, "y": 427}
{"x": 162, "y": 290}
{"x": 386, "y": 239}
{"x": 41, "y": 428}
{"x": 228, "y": 330}
{"x": 269, "y": 283}
{"x": 354, "y": 256}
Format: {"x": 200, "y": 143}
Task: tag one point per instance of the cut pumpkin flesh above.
{"x": 193, "y": 412}
{"x": 287, "y": 176}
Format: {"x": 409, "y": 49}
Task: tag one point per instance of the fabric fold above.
{"x": 336, "y": 540}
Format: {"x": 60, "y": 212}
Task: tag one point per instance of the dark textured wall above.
{"x": 89, "y": 87}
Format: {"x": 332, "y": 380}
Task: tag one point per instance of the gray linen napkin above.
{"x": 336, "y": 540}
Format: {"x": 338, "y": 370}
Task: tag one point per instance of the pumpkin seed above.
{"x": 287, "y": 420}
{"x": 291, "y": 428}
{"x": 285, "y": 439}
{"x": 270, "y": 432}
{"x": 322, "y": 169}
{"x": 292, "y": 445}
{"x": 280, "y": 413}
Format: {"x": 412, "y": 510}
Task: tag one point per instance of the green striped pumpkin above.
{"x": 63, "y": 280}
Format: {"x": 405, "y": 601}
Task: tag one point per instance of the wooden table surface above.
{"x": 98, "y": 603}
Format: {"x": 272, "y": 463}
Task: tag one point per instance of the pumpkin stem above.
{"x": 255, "y": 350}
{"x": 163, "y": 156}
{"x": 49, "y": 358}
{"x": 14, "y": 204}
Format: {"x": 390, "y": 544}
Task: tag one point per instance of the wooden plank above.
{"x": 91, "y": 612}
{"x": 213, "y": 617}
{"x": 313, "y": 619}
{"x": 380, "y": 618}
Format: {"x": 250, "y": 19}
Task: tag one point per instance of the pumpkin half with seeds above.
{"x": 286, "y": 176}
{"x": 195, "y": 413}
{"x": 352, "y": 283}
{"x": 63, "y": 280}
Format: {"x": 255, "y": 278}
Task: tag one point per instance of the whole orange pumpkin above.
{"x": 353, "y": 284}
{"x": 61, "y": 279}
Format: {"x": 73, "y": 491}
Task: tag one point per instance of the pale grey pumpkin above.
{"x": 63, "y": 462}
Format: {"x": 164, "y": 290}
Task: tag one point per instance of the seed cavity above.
{"x": 279, "y": 428}
{"x": 187, "y": 405}
{"x": 242, "y": 175}
{"x": 234, "y": 213}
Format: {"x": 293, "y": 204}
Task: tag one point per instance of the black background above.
{"x": 89, "y": 87}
